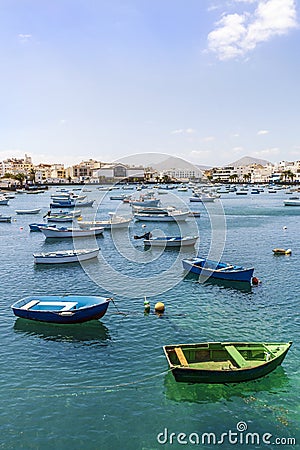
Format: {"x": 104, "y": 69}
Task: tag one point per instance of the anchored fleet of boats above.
{"x": 206, "y": 362}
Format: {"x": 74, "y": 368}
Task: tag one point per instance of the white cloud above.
{"x": 209, "y": 139}
{"x": 267, "y": 152}
{"x": 262, "y": 132}
{"x": 237, "y": 34}
{"x": 184, "y": 131}
{"x": 24, "y": 37}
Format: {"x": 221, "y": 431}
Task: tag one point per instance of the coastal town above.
{"x": 22, "y": 171}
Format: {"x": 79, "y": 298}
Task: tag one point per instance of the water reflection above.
{"x": 242, "y": 286}
{"x": 210, "y": 393}
{"x": 93, "y": 332}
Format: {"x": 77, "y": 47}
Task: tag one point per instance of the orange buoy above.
{"x": 255, "y": 281}
{"x": 159, "y": 307}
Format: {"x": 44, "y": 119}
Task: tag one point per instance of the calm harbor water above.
{"x": 105, "y": 385}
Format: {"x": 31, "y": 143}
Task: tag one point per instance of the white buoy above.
{"x": 144, "y": 226}
{"x": 284, "y": 228}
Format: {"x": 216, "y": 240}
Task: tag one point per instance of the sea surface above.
{"x": 105, "y": 385}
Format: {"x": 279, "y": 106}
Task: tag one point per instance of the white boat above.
{"x": 147, "y": 202}
{"x": 27, "y": 211}
{"x": 169, "y": 241}
{"x": 203, "y": 198}
{"x": 167, "y": 216}
{"x": 53, "y": 232}
{"x": 3, "y": 200}
{"x": 5, "y": 218}
{"x": 75, "y": 213}
{"x": 65, "y": 256}
{"x": 114, "y": 222}
{"x": 291, "y": 203}
{"x": 62, "y": 218}
{"x": 182, "y": 189}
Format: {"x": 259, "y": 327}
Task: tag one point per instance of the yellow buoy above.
{"x": 159, "y": 307}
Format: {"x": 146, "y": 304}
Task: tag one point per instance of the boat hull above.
{"x": 230, "y": 275}
{"x": 227, "y": 374}
{"x": 27, "y": 211}
{"x": 161, "y": 217}
{"x": 51, "y": 232}
{"x": 62, "y": 316}
{"x": 171, "y": 242}
{"x": 61, "y": 258}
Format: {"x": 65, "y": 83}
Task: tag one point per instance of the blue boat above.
{"x": 61, "y": 309}
{"x": 37, "y": 226}
{"x": 222, "y": 271}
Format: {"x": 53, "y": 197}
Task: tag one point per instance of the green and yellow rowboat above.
{"x": 224, "y": 362}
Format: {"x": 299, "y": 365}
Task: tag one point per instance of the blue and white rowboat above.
{"x": 207, "y": 268}
{"x": 61, "y": 309}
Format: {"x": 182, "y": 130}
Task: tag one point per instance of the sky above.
{"x": 209, "y": 81}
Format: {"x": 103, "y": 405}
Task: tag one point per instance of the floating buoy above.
{"x": 284, "y": 228}
{"x": 146, "y": 306}
{"x": 79, "y": 218}
{"x": 159, "y": 307}
{"x": 144, "y": 226}
{"x": 255, "y": 281}
{"x": 21, "y": 228}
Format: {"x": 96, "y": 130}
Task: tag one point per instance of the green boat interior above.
{"x": 227, "y": 356}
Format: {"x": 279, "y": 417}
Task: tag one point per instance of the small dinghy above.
{"x": 37, "y": 226}
{"x": 114, "y": 222}
{"x": 282, "y": 251}
{"x": 62, "y": 232}
{"x": 65, "y": 256}
{"x": 5, "y": 218}
{"x": 220, "y": 270}
{"x": 62, "y": 218}
{"x": 27, "y": 211}
{"x": 170, "y": 241}
{"x": 61, "y": 309}
{"x": 224, "y": 362}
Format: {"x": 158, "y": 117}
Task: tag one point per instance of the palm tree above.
{"x": 19, "y": 177}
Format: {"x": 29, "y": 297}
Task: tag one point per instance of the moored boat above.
{"x": 71, "y": 204}
{"x": 27, "y": 211}
{"x": 167, "y": 216}
{"x": 3, "y": 200}
{"x": 282, "y": 251}
{"x": 5, "y": 218}
{"x": 170, "y": 241}
{"x": 224, "y": 362}
{"x": 61, "y": 309}
{"x": 62, "y": 232}
{"x": 65, "y": 256}
{"x": 37, "y": 226}
{"x": 291, "y": 203}
{"x": 207, "y": 268}
{"x": 114, "y": 222}
{"x": 62, "y": 218}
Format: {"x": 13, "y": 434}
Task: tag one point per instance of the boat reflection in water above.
{"x": 275, "y": 382}
{"x": 242, "y": 286}
{"x": 91, "y": 333}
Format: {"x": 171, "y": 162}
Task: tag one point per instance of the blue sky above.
{"x": 206, "y": 80}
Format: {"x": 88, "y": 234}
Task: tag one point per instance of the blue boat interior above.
{"x": 214, "y": 265}
{"x": 58, "y": 303}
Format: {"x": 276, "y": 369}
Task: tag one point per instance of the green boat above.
{"x": 224, "y": 362}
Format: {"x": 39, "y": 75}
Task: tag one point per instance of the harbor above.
{"x": 106, "y": 384}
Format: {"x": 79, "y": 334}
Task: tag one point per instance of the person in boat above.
{"x": 146, "y": 236}
{"x": 47, "y": 215}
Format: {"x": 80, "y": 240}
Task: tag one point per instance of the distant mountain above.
{"x": 248, "y": 161}
{"x": 159, "y": 161}
{"x": 173, "y": 162}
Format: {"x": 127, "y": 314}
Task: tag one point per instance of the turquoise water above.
{"x": 106, "y": 385}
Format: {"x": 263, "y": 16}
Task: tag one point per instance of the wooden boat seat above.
{"x": 224, "y": 268}
{"x": 181, "y": 357}
{"x": 30, "y": 304}
{"x": 236, "y": 356}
